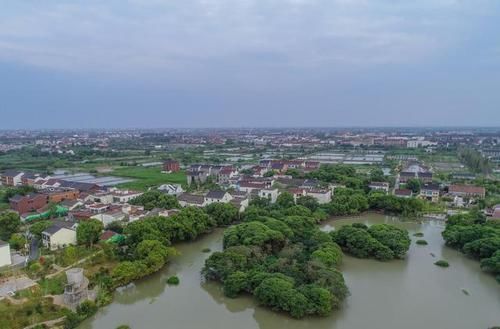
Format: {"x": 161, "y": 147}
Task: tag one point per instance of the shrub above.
{"x": 422, "y": 242}
{"x": 206, "y": 250}
{"x": 418, "y": 234}
{"x": 442, "y": 263}
{"x": 173, "y": 280}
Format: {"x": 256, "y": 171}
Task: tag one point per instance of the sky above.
{"x": 249, "y": 63}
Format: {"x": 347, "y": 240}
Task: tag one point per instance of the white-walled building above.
{"x": 171, "y": 189}
{"x": 321, "y": 195}
{"x": 217, "y": 196}
{"x": 269, "y": 193}
{"x": 5, "y": 259}
{"x": 110, "y": 216}
{"x": 59, "y": 235}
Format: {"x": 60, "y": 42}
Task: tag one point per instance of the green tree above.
{"x": 17, "y": 241}
{"x": 235, "y": 283}
{"x": 414, "y": 185}
{"x": 88, "y": 232}
{"x": 222, "y": 213}
{"x": 37, "y": 228}
{"x": 285, "y": 200}
{"x": 309, "y": 202}
{"x": 9, "y": 224}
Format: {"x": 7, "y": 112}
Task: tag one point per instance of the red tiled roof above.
{"x": 468, "y": 189}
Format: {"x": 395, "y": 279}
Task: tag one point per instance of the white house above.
{"x": 321, "y": 195}
{"x": 4, "y": 254}
{"x": 241, "y": 204}
{"x": 102, "y": 197}
{"x": 269, "y": 193}
{"x": 59, "y": 235}
{"x": 217, "y": 196}
{"x": 110, "y": 216}
{"x": 379, "y": 186}
{"x": 187, "y": 199}
{"x": 124, "y": 196}
{"x": 171, "y": 189}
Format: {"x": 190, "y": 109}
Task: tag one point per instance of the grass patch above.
{"x": 173, "y": 280}
{"x": 206, "y": 250}
{"x": 442, "y": 263}
{"x": 147, "y": 177}
{"x": 53, "y": 286}
{"x": 419, "y": 234}
{"x": 422, "y": 242}
{"x": 16, "y": 316}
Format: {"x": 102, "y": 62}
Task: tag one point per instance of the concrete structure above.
{"x": 76, "y": 290}
{"x": 59, "y": 235}
{"x": 5, "y": 259}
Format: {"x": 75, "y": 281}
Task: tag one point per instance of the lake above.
{"x": 411, "y": 294}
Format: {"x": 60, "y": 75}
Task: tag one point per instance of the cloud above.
{"x": 190, "y": 38}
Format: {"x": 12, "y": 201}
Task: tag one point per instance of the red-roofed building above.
{"x": 467, "y": 191}
{"x": 171, "y": 165}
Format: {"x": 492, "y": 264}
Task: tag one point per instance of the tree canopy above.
{"x": 9, "y": 224}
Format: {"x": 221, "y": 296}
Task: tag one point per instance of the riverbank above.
{"x": 440, "y": 302}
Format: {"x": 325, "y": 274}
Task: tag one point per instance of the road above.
{"x": 34, "y": 250}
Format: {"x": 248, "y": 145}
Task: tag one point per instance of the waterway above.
{"x": 411, "y": 294}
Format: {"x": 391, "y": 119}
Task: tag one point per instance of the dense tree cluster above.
{"x": 380, "y": 241}
{"x": 476, "y": 237}
{"x": 88, "y": 232}
{"x": 394, "y": 205}
{"x": 285, "y": 261}
{"x": 348, "y": 202}
{"x": 341, "y": 174}
{"x": 222, "y": 213}
{"x": 9, "y": 224}
{"x": 146, "y": 248}
{"x": 155, "y": 199}
{"x": 474, "y": 160}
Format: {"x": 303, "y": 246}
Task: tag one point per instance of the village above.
{"x": 62, "y": 225}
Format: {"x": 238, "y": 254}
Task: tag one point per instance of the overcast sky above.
{"x": 219, "y": 63}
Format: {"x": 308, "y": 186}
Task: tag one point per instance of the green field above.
{"x": 147, "y": 177}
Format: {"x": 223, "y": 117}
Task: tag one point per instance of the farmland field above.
{"x": 146, "y": 177}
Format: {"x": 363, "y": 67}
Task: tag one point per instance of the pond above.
{"x": 411, "y": 294}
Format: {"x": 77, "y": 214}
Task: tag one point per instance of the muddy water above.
{"x": 410, "y": 294}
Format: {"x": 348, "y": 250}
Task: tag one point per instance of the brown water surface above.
{"x": 405, "y": 294}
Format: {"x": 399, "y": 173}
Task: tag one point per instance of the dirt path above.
{"x": 83, "y": 260}
{"x": 49, "y": 323}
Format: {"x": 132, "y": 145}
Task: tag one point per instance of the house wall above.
{"x": 63, "y": 195}
{"x": 322, "y": 198}
{"x": 27, "y": 204}
{"x": 5, "y": 255}
{"x": 106, "y": 219}
{"x": 62, "y": 238}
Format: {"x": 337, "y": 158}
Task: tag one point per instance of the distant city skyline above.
{"x": 226, "y": 63}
